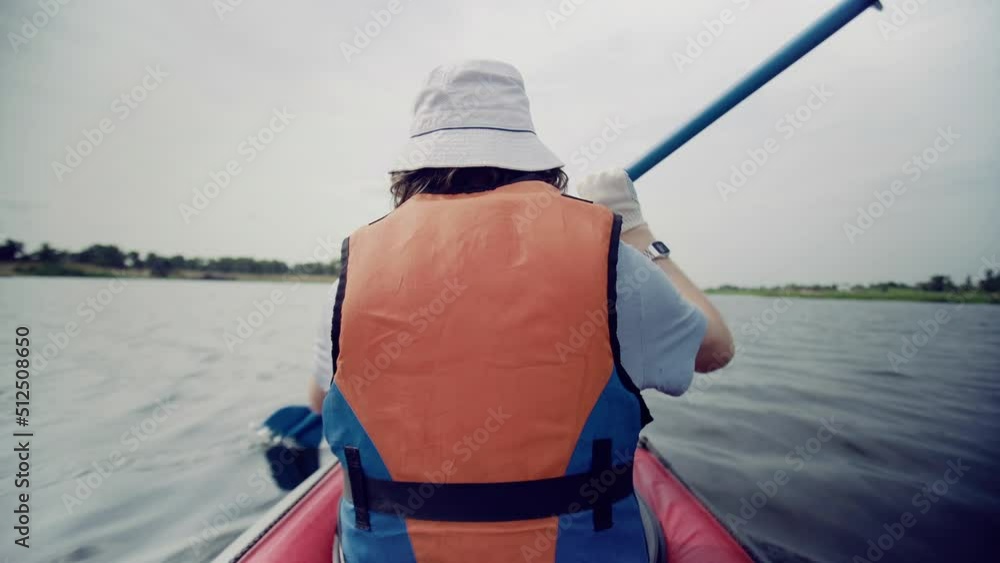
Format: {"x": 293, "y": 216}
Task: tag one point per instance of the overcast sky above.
{"x": 219, "y": 76}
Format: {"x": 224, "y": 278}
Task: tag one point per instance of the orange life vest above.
{"x": 479, "y": 403}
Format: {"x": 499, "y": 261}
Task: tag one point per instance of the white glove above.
{"x": 613, "y": 188}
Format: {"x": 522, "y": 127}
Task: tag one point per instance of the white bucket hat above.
{"x": 474, "y": 113}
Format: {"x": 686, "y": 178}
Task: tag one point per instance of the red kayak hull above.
{"x": 304, "y": 532}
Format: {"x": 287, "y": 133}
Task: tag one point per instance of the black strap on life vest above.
{"x": 616, "y": 231}
{"x": 601, "y": 464}
{"x": 596, "y": 490}
{"x": 338, "y": 305}
{"x": 357, "y": 486}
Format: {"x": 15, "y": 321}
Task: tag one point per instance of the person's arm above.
{"x": 614, "y": 189}
{"x": 319, "y": 383}
{"x": 316, "y": 396}
{"x": 716, "y": 349}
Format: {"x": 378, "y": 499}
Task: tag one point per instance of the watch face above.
{"x": 661, "y": 248}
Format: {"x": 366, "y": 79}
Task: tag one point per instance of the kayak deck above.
{"x": 301, "y": 529}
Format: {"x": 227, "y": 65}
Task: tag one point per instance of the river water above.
{"x": 824, "y": 433}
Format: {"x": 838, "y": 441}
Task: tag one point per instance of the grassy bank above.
{"x": 869, "y": 295}
{"x": 71, "y": 269}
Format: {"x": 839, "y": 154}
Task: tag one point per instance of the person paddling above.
{"x": 489, "y": 339}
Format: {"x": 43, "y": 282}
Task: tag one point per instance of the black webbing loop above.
{"x": 359, "y": 491}
{"x": 596, "y": 490}
{"x": 601, "y": 462}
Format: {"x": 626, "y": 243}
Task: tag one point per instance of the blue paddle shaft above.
{"x": 786, "y": 57}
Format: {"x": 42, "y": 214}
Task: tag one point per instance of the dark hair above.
{"x": 465, "y": 180}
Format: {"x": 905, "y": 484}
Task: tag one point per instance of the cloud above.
{"x": 607, "y": 60}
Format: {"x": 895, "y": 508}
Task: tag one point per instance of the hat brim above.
{"x": 466, "y": 148}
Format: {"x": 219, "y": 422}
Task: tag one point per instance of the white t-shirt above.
{"x": 659, "y": 331}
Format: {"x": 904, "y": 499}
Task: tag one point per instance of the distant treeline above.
{"x": 990, "y": 283}
{"x": 111, "y": 257}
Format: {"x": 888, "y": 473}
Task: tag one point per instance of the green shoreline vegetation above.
{"x": 101, "y": 260}
{"x": 939, "y": 289}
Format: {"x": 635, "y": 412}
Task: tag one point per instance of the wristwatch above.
{"x": 656, "y": 250}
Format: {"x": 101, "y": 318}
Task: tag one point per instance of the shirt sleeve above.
{"x": 323, "y": 347}
{"x": 659, "y": 331}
